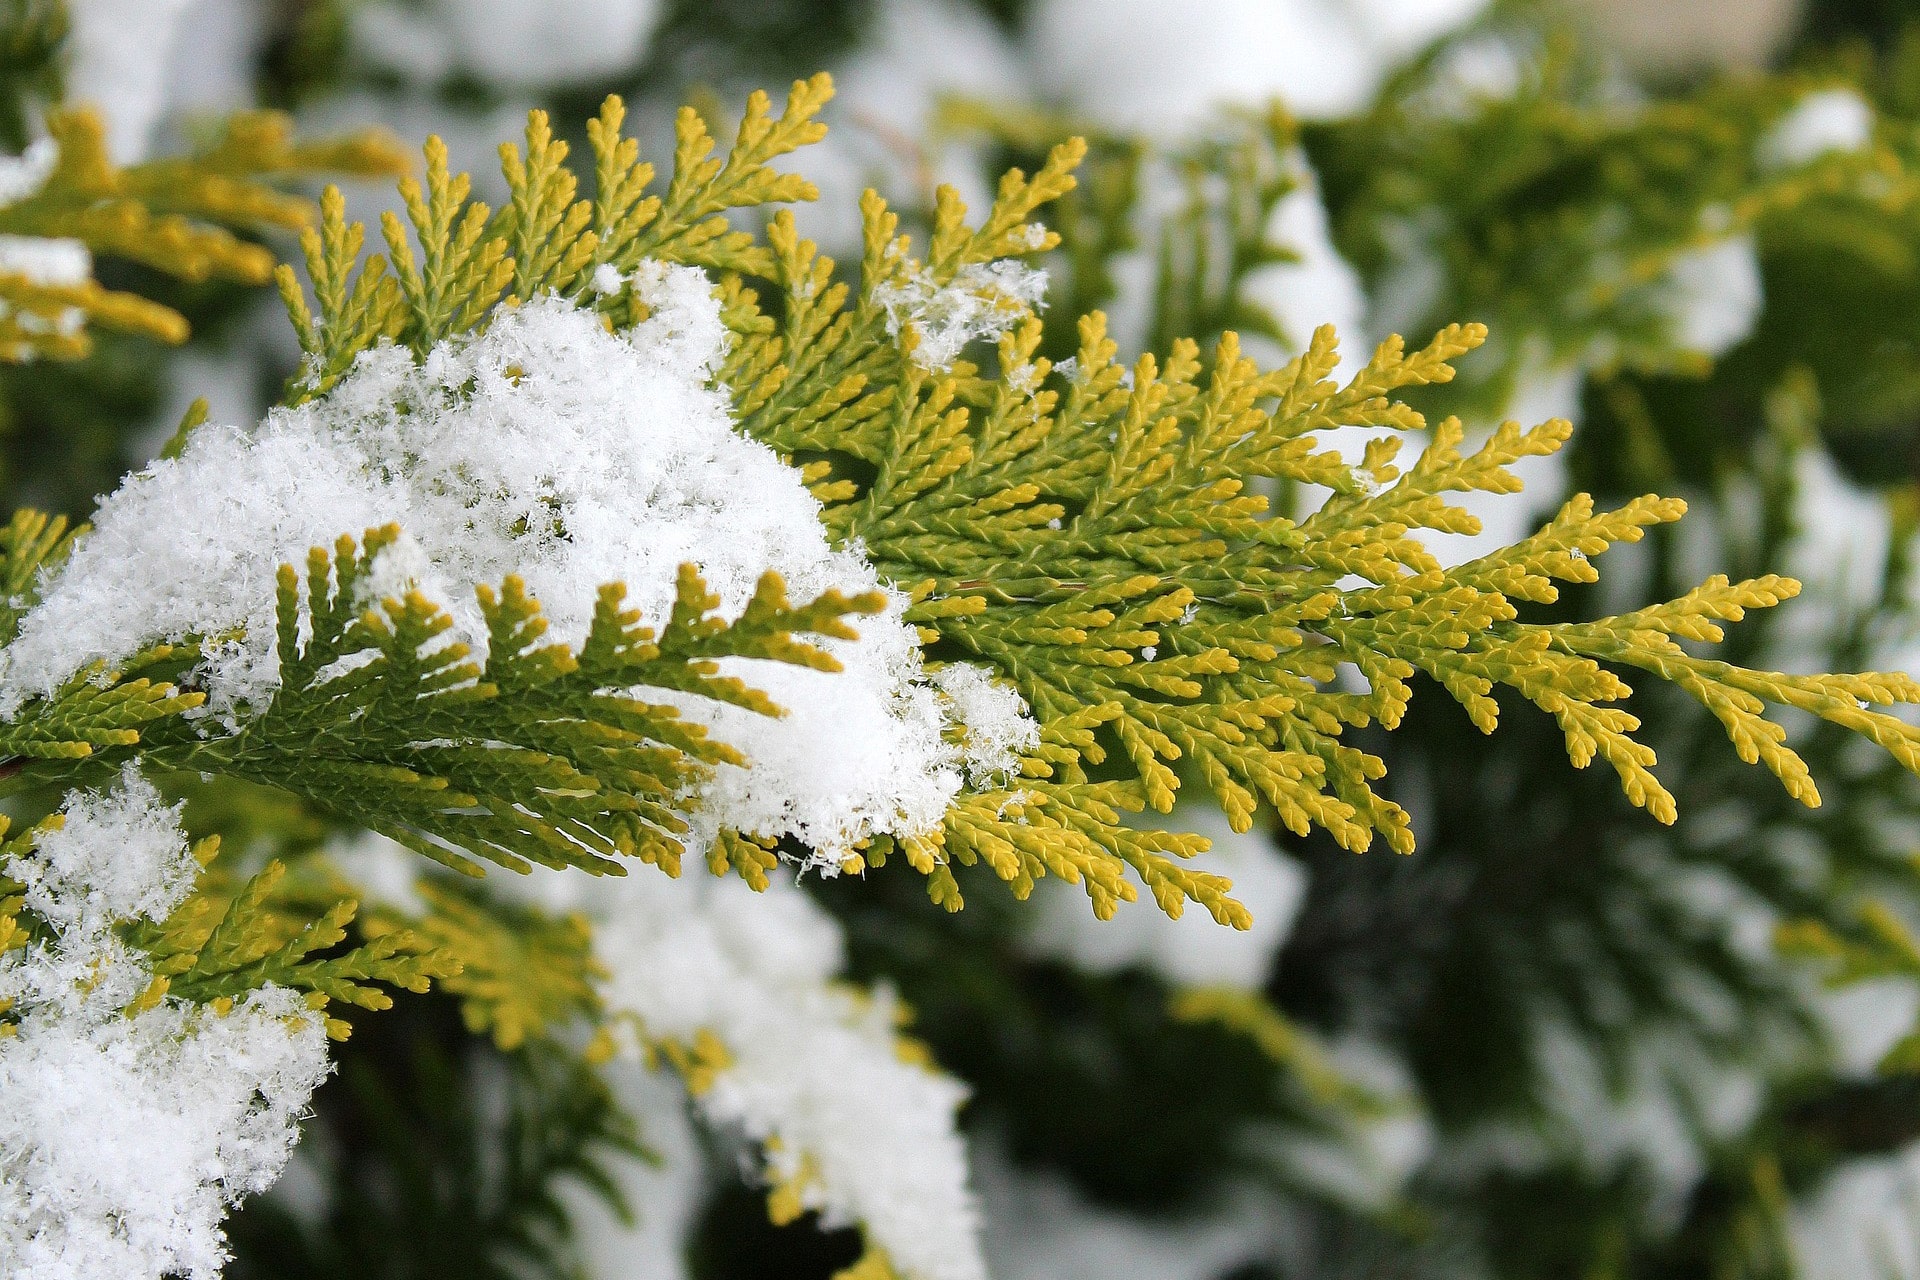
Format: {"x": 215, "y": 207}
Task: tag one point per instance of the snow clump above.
{"x": 124, "y": 1140}
{"x": 814, "y": 1071}
{"x": 550, "y": 448}
{"x": 1827, "y": 121}
{"x": 984, "y": 300}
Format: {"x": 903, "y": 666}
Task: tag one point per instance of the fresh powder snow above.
{"x": 983, "y": 301}
{"x": 551, "y": 448}
{"x": 814, "y": 1070}
{"x": 124, "y": 1140}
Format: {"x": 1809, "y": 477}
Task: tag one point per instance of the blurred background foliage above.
{"x": 1559, "y": 1041}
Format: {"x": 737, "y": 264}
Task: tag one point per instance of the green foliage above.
{"x": 539, "y": 754}
{"x": 1102, "y": 537}
{"x": 1231, "y": 179}
{"x": 1096, "y": 542}
{"x": 228, "y": 937}
{"x": 398, "y": 1142}
{"x": 472, "y": 259}
{"x": 522, "y": 974}
{"x": 220, "y": 945}
{"x": 31, "y": 32}
{"x": 96, "y": 708}
{"x": 32, "y": 543}
{"x": 176, "y": 215}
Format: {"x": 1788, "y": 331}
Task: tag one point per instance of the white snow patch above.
{"x": 1043, "y": 1228}
{"x": 124, "y": 1140}
{"x": 1711, "y": 295}
{"x": 664, "y": 1193}
{"x": 23, "y": 175}
{"x": 983, "y": 301}
{"x": 117, "y": 856}
{"x": 46, "y": 260}
{"x": 118, "y": 52}
{"x": 574, "y": 457}
{"x": 383, "y": 872}
{"x": 814, "y": 1069}
{"x": 993, "y": 721}
{"x": 883, "y": 125}
{"x": 508, "y": 43}
{"x": 1474, "y": 71}
{"x": 1320, "y": 288}
{"x": 1861, "y": 1221}
{"x": 1160, "y": 67}
{"x": 1826, "y": 121}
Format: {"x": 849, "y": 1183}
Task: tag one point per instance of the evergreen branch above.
{"x": 519, "y": 974}
{"x": 214, "y": 949}
{"x": 32, "y": 545}
{"x": 537, "y": 754}
{"x": 99, "y": 709}
{"x": 177, "y": 215}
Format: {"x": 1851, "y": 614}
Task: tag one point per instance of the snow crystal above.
{"x": 985, "y": 300}
{"x": 124, "y": 1140}
{"x": 117, "y": 856}
{"x": 993, "y": 719}
{"x": 46, "y": 260}
{"x": 814, "y": 1069}
{"x": 1193, "y": 950}
{"x": 23, "y": 175}
{"x": 550, "y": 448}
{"x": 1830, "y": 120}
{"x": 607, "y": 279}
{"x": 118, "y": 53}
{"x": 1711, "y": 295}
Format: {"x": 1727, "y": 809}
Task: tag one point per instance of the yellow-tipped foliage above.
{"x": 188, "y": 216}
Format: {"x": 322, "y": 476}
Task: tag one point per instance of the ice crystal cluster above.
{"x": 852, "y": 1123}
{"x": 550, "y": 448}
{"x": 126, "y": 1136}
{"x": 982, "y": 302}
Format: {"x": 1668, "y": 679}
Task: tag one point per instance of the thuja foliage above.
{"x": 1096, "y": 535}
{"x": 1092, "y": 536}
{"x": 178, "y": 215}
